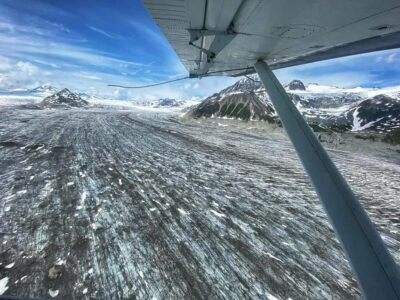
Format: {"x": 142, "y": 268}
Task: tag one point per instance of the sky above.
{"x": 86, "y": 44}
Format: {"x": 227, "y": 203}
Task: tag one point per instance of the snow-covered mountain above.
{"x": 43, "y": 89}
{"x": 32, "y": 97}
{"x": 249, "y": 83}
{"x": 26, "y": 96}
{"x": 162, "y": 103}
{"x": 380, "y": 113}
{"x": 243, "y": 100}
{"x": 168, "y": 102}
{"x": 339, "y": 109}
{"x": 296, "y": 85}
{"x": 64, "y": 98}
{"x": 245, "y": 106}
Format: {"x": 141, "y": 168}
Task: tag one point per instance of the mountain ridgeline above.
{"x": 243, "y": 100}
{"x": 63, "y": 99}
{"x": 324, "y": 107}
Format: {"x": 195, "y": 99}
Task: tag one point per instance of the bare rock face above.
{"x": 244, "y": 100}
{"x": 296, "y": 85}
{"x": 380, "y": 113}
{"x": 325, "y": 107}
{"x": 64, "y": 98}
{"x": 244, "y": 106}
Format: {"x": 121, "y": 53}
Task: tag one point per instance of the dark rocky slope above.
{"x": 65, "y": 99}
{"x": 243, "y": 100}
{"x": 331, "y": 109}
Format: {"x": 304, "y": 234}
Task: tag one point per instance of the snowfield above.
{"x": 139, "y": 203}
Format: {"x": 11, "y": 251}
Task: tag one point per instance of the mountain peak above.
{"x": 248, "y": 83}
{"x": 64, "y": 98}
{"x": 44, "y": 88}
{"x": 169, "y": 102}
{"x": 65, "y": 92}
{"x": 296, "y": 85}
{"x": 242, "y": 100}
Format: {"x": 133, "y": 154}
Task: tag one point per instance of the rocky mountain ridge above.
{"x": 333, "y": 108}
{"x": 64, "y": 98}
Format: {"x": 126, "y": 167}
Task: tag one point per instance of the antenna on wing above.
{"x": 148, "y": 85}
{"x": 214, "y": 73}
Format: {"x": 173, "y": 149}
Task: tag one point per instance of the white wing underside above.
{"x": 234, "y": 34}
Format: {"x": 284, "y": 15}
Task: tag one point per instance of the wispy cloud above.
{"x": 111, "y": 36}
{"x": 85, "y": 49}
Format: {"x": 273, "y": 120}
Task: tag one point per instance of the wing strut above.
{"x": 372, "y": 264}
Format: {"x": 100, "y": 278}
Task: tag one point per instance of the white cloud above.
{"x": 46, "y": 53}
{"x": 392, "y": 58}
{"x": 5, "y": 26}
{"x": 387, "y": 58}
{"x": 26, "y": 67}
{"x": 43, "y": 51}
{"x": 5, "y": 64}
{"x": 189, "y": 86}
{"x": 45, "y": 63}
{"x": 19, "y": 74}
{"x": 98, "y": 30}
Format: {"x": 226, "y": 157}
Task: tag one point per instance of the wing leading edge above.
{"x": 216, "y": 36}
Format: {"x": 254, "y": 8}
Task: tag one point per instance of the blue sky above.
{"x": 86, "y": 44}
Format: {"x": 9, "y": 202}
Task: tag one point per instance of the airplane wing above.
{"x": 235, "y": 37}
{"x": 218, "y": 35}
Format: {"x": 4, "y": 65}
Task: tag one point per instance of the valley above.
{"x": 133, "y": 203}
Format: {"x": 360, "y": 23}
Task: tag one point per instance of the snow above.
{"x": 273, "y": 257}
{"x": 270, "y": 296}
{"x": 313, "y": 89}
{"x": 10, "y": 99}
{"x": 148, "y": 106}
{"x": 10, "y": 265}
{"x": 83, "y": 198}
{"x": 60, "y": 262}
{"x": 390, "y": 91}
{"x": 357, "y": 122}
{"x": 268, "y": 197}
{"x": 183, "y": 212}
{"x": 327, "y": 89}
{"x": 53, "y": 293}
{"x": 3, "y": 285}
{"x": 316, "y": 88}
{"x": 218, "y": 214}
